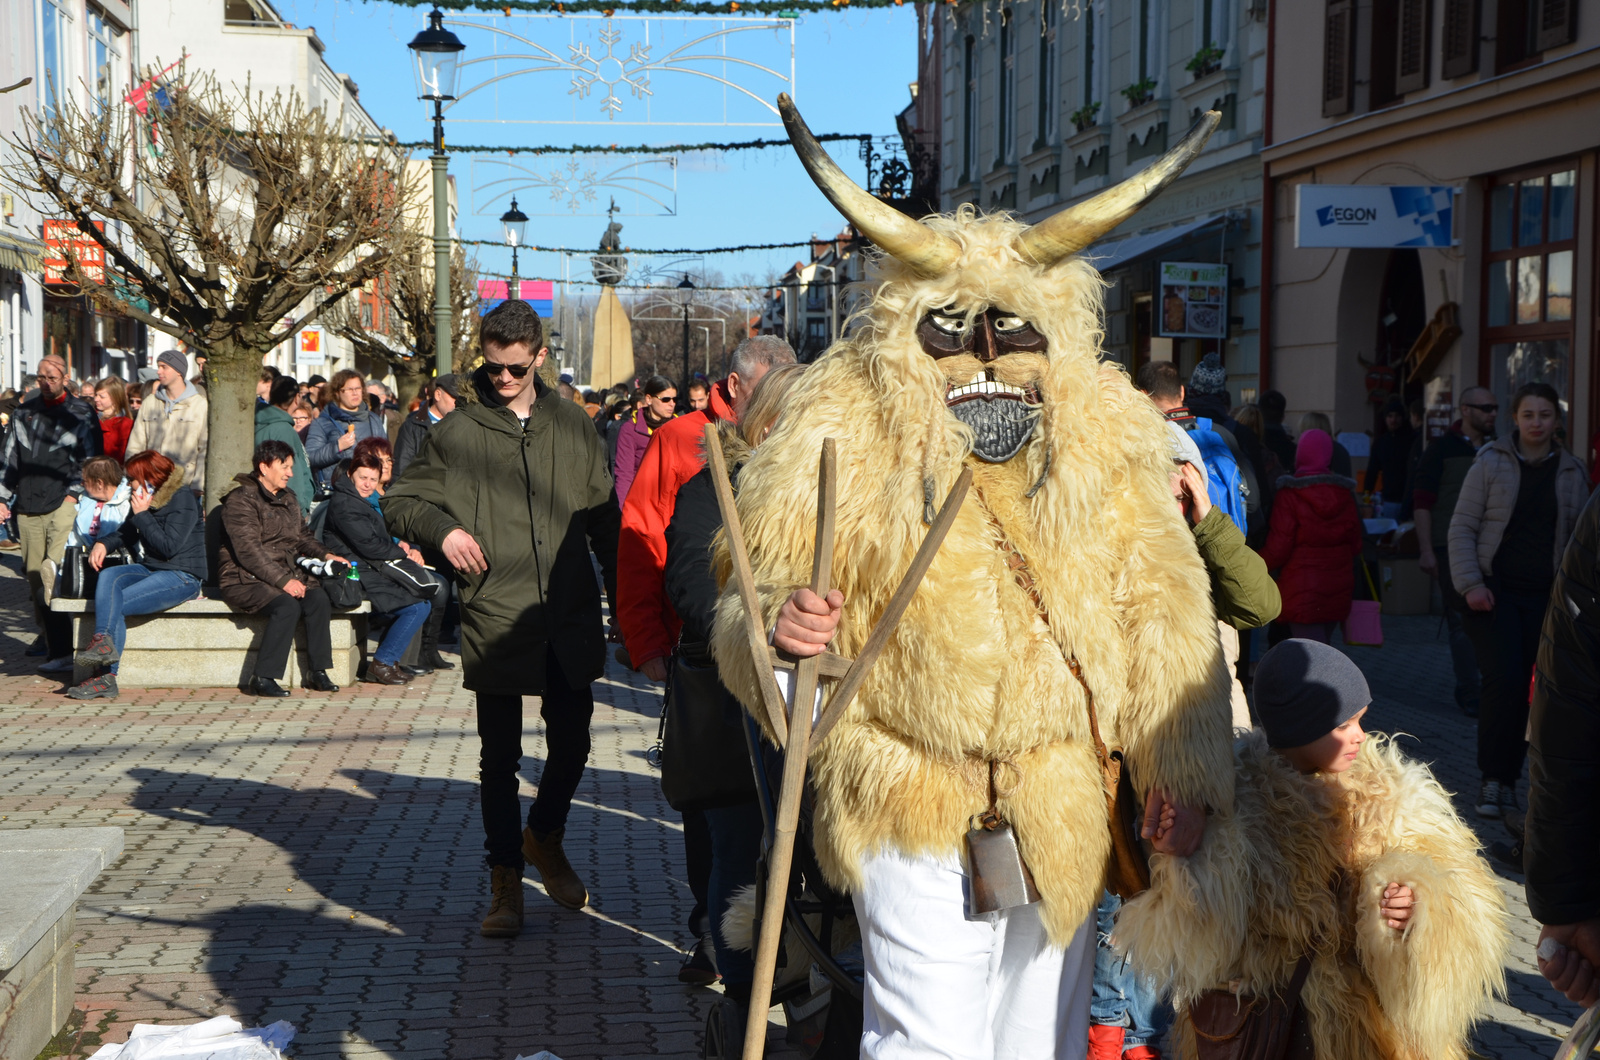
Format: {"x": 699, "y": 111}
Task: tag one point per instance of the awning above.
{"x": 1115, "y": 253}
{"x": 21, "y": 254}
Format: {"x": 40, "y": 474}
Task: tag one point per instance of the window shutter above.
{"x": 1460, "y": 45}
{"x": 1556, "y": 23}
{"x": 1338, "y": 58}
{"x": 1411, "y": 49}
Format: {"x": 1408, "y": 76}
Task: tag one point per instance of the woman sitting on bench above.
{"x": 164, "y": 533}
{"x": 392, "y": 575}
{"x": 268, "y": 563}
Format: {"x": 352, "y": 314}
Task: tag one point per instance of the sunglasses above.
{"x": 1481, "y": 408}
{"x": 518, "y": 371}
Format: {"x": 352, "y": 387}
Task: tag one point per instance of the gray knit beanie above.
{"x": 1304, "y": 690}
{"x": 1209, "y": 377}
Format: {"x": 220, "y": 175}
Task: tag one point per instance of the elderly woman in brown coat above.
{"x": 259, "y": 569}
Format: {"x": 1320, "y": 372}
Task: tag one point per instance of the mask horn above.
{"x": 1077, "y": 226}
{"x": 904, "y": 238}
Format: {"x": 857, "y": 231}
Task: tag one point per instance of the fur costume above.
{"x": 1300, "y": 866}
{"x": 974, "y": 673}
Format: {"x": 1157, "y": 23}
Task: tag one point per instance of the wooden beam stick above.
{"x": 846, "y": 689}
{"x": 795, "y": 755}
{"x": 771, "y": 698}
{"x": 829, "y": 665}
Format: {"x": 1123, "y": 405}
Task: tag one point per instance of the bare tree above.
{"x": 399, "y": 335}
{"x": 238, "y": 217}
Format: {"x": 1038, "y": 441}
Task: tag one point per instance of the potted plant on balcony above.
{"x": 1206, "y": 61}
{"x": 1140, "y": 92}
{"x": 1085, "y": 116}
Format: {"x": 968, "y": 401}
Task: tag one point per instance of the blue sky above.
{"x": 852, "y": 69}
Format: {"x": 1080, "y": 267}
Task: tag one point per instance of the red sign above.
{"x": 62, "y": 238}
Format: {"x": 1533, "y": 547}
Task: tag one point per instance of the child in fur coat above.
{"x": 1341, "y": 849}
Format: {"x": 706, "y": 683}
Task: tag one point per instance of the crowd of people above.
{"x": 495, "y": 497}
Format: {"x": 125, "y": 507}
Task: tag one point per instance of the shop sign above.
{"x": 308, "y": 354}
{"x": 1193, "y": 300}
{"x": 1374, "y": 215}
{"x": 63, "y": 237}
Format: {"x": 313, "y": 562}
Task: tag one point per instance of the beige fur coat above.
{"x": 974, "y": 673}
{"x": 1257, "y": 895}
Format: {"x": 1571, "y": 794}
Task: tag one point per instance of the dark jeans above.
{"x": 566, "y": 712}
{"x": 735, "y": 848}
{"x": 273, "y": 658}
{"x": 697, "y": 863}
{"x": 1506, "y": 642}
{"x": 1462, "y": 657}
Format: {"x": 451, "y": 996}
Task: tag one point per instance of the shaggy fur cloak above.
{"x": 1300, "y": 867}
{"x": 975, "y": 673}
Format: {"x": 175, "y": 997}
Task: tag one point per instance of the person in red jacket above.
{"x": 1312, "y": 541}
{"x": 111, "y": 403}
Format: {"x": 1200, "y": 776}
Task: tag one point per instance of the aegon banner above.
{"x": 1374, "y": 215}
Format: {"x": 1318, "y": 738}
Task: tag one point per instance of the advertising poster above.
{"x": 309, "y": 352}
{"x": 1192, "y": 300}
{"x": 1374, "y": 215}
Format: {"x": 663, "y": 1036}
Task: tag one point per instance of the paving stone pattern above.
{"x": 318, "y": 859}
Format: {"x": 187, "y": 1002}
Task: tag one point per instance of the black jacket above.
{"x": 170, "y": 533}
{"x": 408, "y": 441}
{"x": 42, "y": 463}
{"x": 1561, "y": 852}
{"x": 355, "y": 530}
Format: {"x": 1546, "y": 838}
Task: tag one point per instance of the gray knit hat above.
{"x": 1209, "y": 377}
{"x": 176, "y": 361}
{"x": 1304, "y": 690}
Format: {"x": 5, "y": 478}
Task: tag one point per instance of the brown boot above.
{"x": 505, "y": 904}
{"x": 544, "y": 853}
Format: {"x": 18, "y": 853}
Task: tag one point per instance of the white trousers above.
{"x": 941, "y": 985}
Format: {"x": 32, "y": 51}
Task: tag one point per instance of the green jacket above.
{"x": 1242, "y": 591}
{"x": 538, "y": 499}
{"x": 272, "y": 422}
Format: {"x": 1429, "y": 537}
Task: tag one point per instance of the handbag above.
{"x": 705, "y": 762}
{"x": 1364, "y": 624}
{"x": 79, "y": 578}
{"x": 1229, "y": 1026}
{"x": 411, "y": 576}
{"x": 343, "y": 593}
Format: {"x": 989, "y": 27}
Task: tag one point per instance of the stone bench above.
{"x": 45, "y": 870}
{"x": 204, "y": 643}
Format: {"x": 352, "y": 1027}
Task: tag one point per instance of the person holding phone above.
{"x": 164, "y": 531}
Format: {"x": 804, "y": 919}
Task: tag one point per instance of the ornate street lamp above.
{"x": 515, "y": 224}
{"x": 685, "y": 298}
{"x": 436, "y": 51}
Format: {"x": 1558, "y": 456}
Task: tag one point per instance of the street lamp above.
{"x": 686, "y": 300}
{"x": 436, "y": 51}
{"x": 515, "y": 223}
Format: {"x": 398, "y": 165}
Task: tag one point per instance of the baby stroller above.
{"x": 819, "y": 964}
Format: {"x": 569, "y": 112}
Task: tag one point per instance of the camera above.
{"x": 323, "y": 568}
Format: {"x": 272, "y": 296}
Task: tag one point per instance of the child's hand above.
{"x": 1398, "y": 902}
{"x": 1171, "y": 827}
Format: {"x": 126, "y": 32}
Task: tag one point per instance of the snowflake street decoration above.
{"x": 577, "y": 185}
{"x": 574, "y": 183}
{"x": 610, "y": 70}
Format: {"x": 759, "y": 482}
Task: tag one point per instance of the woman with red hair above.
{"x": 163, "y": 530}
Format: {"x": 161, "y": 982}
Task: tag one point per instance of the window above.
{"x": 969, "y": 111}
{"x": 1411, "y": 45}
{"x": 1146, "y": 27}
{"x": 1531, "y": 241}
{"x": 1089, "y": 56}
{"x": 817, "y": 331}
{"x": 1524, "y": 28}
{"x": 1459, "y": 47}
{"x": 1338, "y": 58}
{"x": 1045, "y": 126}
{"x": 54, "y": 54}
{"x": 107, "y": 40}
{"x": 1006, "y": 98}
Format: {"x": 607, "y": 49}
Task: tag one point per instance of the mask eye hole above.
{"x": 1006, "y": 323}
{"x": 950, "y": 321}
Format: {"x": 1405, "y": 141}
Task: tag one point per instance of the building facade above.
{"x": 1043, "y": 104}
{"x": 1489, "y": 104}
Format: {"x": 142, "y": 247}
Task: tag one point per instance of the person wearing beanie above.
{"x": 172, "y": 420}
{"x": 1342, "y": 860}
{"x": 1313, "y": 537}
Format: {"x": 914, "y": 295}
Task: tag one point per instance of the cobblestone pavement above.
{"x": 317, "y": 859}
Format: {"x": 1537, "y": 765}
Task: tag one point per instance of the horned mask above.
{"x": 982, "y": 296}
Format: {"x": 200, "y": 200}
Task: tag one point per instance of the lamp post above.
{"x": 686, "y": 299}
{"x": 435, "y": 51}
{"x": 515, "y": 223}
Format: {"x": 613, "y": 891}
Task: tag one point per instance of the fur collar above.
{"x": 169, "y": 489}
{"x": 1327, "y": 478}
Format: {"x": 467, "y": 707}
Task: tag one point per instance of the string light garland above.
{"x": 529, "y": 247}
{"x": 663, "y": 288}
{"x": 621, "y": 149}
{"x": 778, "y": 8}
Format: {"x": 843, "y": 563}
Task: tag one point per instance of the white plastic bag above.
{"x": 221, "y": 1038}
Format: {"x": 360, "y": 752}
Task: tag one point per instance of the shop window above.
{"x": 1531, "y": 237}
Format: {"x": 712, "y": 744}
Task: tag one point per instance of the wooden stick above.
{"x": 771, "y": 698}
{"x": 846, "y": 689}
{"x": 795, "y": 754}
